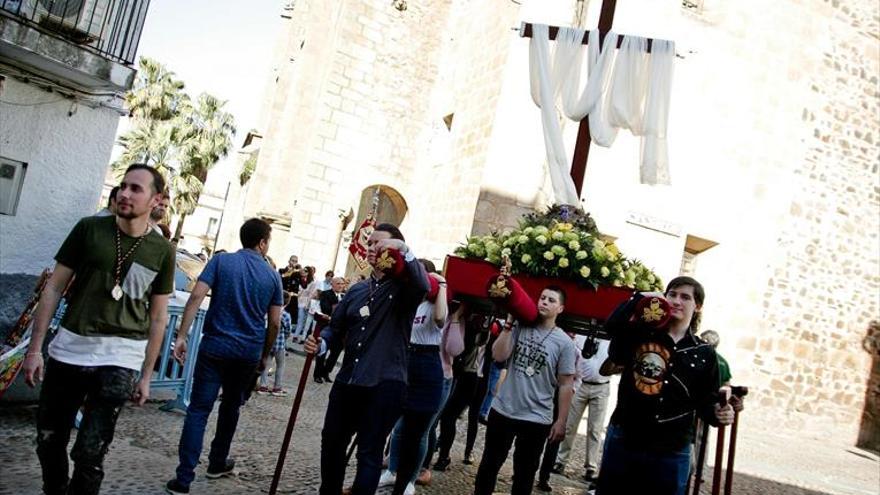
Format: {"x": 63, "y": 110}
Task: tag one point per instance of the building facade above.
{"x": 773, "y": 149}
{"x": 64, "y": 67}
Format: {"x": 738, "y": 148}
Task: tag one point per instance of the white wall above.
{"x": 67, "y": 157}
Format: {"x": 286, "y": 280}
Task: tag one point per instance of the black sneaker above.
{"x": 327, "y": 379}
{"x": 215, "y": 472}
{"x": 467, "y": 459}
{"x": 441, "y": 464}
{"x": 174, "y": 487}
{"x": 544, "y": 486}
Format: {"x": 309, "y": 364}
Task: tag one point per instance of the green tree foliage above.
{"x": 182, "y": 137}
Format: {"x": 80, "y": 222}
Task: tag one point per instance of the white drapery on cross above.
{"x": 626, "y": 88}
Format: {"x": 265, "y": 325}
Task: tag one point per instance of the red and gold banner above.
{"x": 358, "y": 246}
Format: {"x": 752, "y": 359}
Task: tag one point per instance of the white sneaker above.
{"x": 410, "y": 489}
{"x": 387, "y": 479}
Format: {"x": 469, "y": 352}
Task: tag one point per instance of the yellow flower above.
{"x": 505, "y": 252}
{"x": 580, "y": 255}
{"x": 598, "y": 244}
{"x": 563, "y": 262}
{"x": 523, "y": 239}
{"x": 548, "y": 255}
{"x": 574, "y": 245}
{"x": 558, "y": 250}
{"x": 558, "y": 236}
{"x": 605, "y": 271}
{"x": 541, "y": 240}
{"x": 526, "y": 258}
{"x": 540, "y": 230}
{"x": 565, "y": 227}
{"x": 612, "y": 250}
{"x": 528, "y": 230}
{"x": 585, "y": 271}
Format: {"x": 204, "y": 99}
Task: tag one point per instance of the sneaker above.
{"x": 175, "y": 487}
{"x": 278, "y": 392}
{"x": 544, "y": 486}
{"x": 262, "y": 390}
{"x": 319, "y": 380}
{"x": 409, "y": 490}
{"x": 387, "y": 479}
{"x": 214, "y": 472}
{"x": 441, "y": 464}
{"x": 327, "y": 378}
{"x": 424, "y": 478}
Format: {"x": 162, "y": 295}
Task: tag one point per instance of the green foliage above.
{"x": 546, "y": 245}
{"x": 181, "y": 137}
{"x": 247, "y": 169}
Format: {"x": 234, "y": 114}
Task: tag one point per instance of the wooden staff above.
{"x": 740, "y": 392}
{"x": 701, "y": 457}
{"x": 291, "y": 422}
{"x": 719, "y": 449}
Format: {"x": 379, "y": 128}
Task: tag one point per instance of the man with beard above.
{"x": 110, "y": 335}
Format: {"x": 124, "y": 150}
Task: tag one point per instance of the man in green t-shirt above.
{"x": 122, "y": 273}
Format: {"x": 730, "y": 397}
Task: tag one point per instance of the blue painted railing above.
{"x": 168, "y": 374}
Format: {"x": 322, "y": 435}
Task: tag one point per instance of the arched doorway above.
{"x": 391, "y": 208}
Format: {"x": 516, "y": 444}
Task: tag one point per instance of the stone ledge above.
{"x": 35, "y": 51}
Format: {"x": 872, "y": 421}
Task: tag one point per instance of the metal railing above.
{"x": 110, "y": 28}
{"x": 168, "y": 374}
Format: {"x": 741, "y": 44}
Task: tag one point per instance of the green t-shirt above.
{"x": 723, "y": 370}
{"x": 90, "y": 251}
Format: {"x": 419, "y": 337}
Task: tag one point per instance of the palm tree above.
{"x": 157, "y": 93}
{"x": 208, "y": 131}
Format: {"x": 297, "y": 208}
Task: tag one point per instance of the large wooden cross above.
{"x": 582, "y": 145}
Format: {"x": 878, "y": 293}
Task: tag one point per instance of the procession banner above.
{"x": 358, "y": 246}
{"x": 10, "y": 364}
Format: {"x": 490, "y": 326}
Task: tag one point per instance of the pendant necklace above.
{"x": 530, "y": 370}
{"x": 116, "y": 293}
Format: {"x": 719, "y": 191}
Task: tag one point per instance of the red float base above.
{"x": 467, "y": 277}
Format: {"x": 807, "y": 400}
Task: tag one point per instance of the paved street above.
{"x": 144, "y": 455}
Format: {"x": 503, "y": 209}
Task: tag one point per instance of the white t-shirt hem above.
{"x": 79, "y": 350}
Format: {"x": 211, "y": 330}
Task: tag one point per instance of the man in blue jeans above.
{"x": 244, "y": 289}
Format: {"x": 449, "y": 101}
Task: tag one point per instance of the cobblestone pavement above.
{"x": 144, "y": 454}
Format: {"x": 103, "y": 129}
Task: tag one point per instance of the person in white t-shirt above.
{"x": 424, "y": 391}
{"x": 539, "y": 359}
{"x": 592, "y": 396}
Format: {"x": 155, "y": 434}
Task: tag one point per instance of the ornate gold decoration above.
{"x": 385, "y": 261}
{"x": 653, "y": 312}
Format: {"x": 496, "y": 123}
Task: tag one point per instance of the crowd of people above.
{"x": 412, "y": 362}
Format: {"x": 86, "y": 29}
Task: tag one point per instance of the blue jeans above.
{"x": 427, "y": 440}
{"x": 302, "y": 315}
{"x": 494, "y": 376}
{"x": 211, "y": 373}
{"x": 431, "y": 438}
{"x": 628, "y": 468}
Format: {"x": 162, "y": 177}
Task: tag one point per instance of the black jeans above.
{"x": 371, "y": 413}
{"x": 500, "y": 435}
{"x": 551, "y": 449}
{"x": 101, "y": 391}
{"x": 462, "y": 395}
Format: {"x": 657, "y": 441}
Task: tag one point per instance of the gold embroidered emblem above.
{"x": 384, "y": 261}
{"x": 653, "y": 312}
{"x": 499, "y": 288}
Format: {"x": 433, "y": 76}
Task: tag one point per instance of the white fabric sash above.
{"x": 626, "y": 88}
